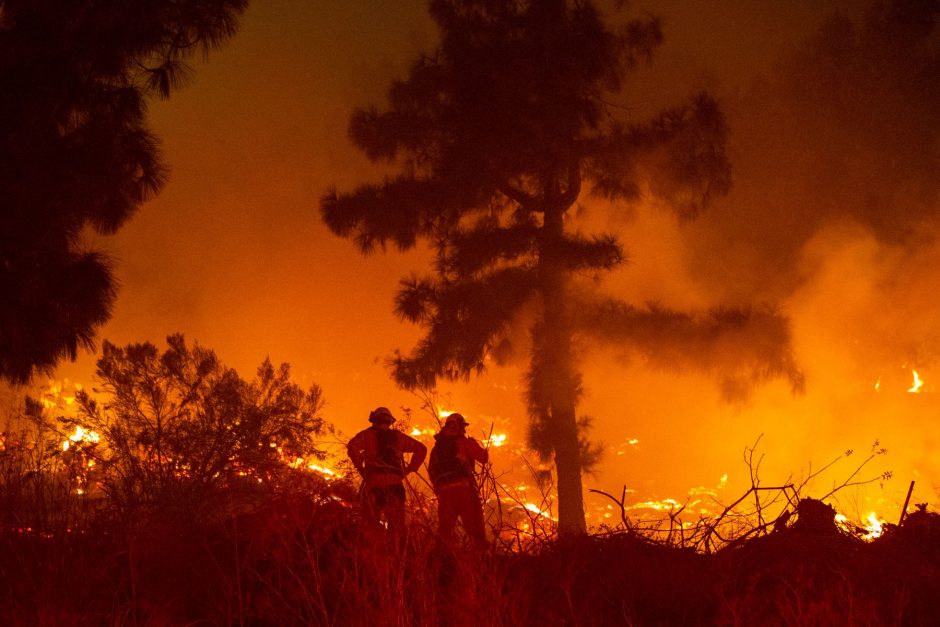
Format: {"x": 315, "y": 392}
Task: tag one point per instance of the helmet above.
{"x": 381, "y": 415}
{"x": 456, "y": 420}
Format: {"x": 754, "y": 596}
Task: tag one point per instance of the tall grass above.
{"x": 295, "y": 552}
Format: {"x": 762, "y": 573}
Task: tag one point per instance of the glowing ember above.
{"x": 663, "y": 505}
{"x": 535, "y": 509}
{"x": 918, "y": 383}
{"x": 628, "y": 443}
{"x": 325, "y": 471}
{"x": 329, "y": 473}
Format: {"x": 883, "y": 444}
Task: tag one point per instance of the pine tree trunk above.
{"x": 564, "y": 384}
{"x": 568, "y": 468}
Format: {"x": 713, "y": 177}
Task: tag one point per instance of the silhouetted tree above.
{"x": 178, "y": 426}
{"x": 496, "y": 135}
{"x": 75, "y": 152}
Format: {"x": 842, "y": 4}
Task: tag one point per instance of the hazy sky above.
{"x": 233, "y": 254}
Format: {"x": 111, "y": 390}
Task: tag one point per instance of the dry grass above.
{"x": 307, "y": 561}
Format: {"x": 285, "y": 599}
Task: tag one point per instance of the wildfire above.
{"x": 875, "y": 527}
{"x": 442, "y": 413}
{"x": 628, "y": 443}
{"x": 496, "y": 440}
{"x": 418, "y": 432}
{"x": 538, "y": 511}
{"x": 300, "y": 463}
{"x": 59, "y": 394}
{"x": 328, "y": 473}
{"x": 81, "y": 435}
{"x": 917, "y": 385}
{"x": 663, "y": 505}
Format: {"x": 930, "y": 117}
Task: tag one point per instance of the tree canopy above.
{"x": 497, "y": 135}
{"x": 76, "y": 153}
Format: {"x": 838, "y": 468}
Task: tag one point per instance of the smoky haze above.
{"x": 832, "y": 218}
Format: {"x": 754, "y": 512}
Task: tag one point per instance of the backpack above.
{"x": 444, "y": 466}
{"x": 387, "y": 458}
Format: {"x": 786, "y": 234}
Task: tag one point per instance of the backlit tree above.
{"x": 76, "y": 153}
{"x": 497, "y": 135}
{"x": 179, "y": 428}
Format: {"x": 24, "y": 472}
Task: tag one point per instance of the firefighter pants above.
{"x": 385, "y": 504}
{"x": 460, "y": 500}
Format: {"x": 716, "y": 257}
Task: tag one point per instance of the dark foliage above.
{"x": 302, "y": 560}
{"x": 181, "y": 431}
{"x": 76, "y": 153}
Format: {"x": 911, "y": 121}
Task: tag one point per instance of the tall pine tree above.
{"x": 496, "y": 136}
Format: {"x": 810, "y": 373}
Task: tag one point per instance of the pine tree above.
{"x": 496, "y": 137}
{"x": 76, "y": 153}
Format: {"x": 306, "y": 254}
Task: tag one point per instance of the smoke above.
{"x": 834, "y": 218}
{"x": 845, "y": 129}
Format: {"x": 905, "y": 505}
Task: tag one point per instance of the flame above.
{"x": 59, "y": 395}
{"x": 495, "y": 440}
{"x": 538, "y": 511}
{"x": 81, "y": 435}
{"x": 875, "y": 526}
{"x": 629, "y": 442}
{"x": 873, "y": 529}
{"x": 418, "y": 432}
{"x": 442, "y": 413}
{"x": 918, "y": 383}
{"x": 663, "y": 505}
{"x": 299, "y": 462}
{"x": 328, "y": 473}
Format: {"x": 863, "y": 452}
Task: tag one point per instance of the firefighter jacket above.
{"x": 453, "y": 456}
{"x": 378, "y": 455}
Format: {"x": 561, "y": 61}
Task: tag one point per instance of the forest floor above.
{"x": 311, "y": 564}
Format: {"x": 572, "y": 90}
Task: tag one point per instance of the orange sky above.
{"x": 233, "y": 254}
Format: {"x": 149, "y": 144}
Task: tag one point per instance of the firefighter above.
{"x": 451, "y": 469}
{"x": 378, "y": 453}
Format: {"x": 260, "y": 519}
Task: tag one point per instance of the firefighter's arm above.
{"x": 476, "y": 452}
{"x": 356, "y": 454}
{"x": 418, "y": 453}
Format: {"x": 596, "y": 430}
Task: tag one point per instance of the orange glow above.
{"x": 538, "y": 511}
{"x": 261, "y": 133}
{"x": 328, "y": 473}
{"x": 496, "y": 440}
{"x": 874, "y": 527}
{"x": 81, "y": 435}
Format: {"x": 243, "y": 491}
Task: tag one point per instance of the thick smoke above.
{"x": 845, "y": 130}
{"x": 834, "y": 218}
